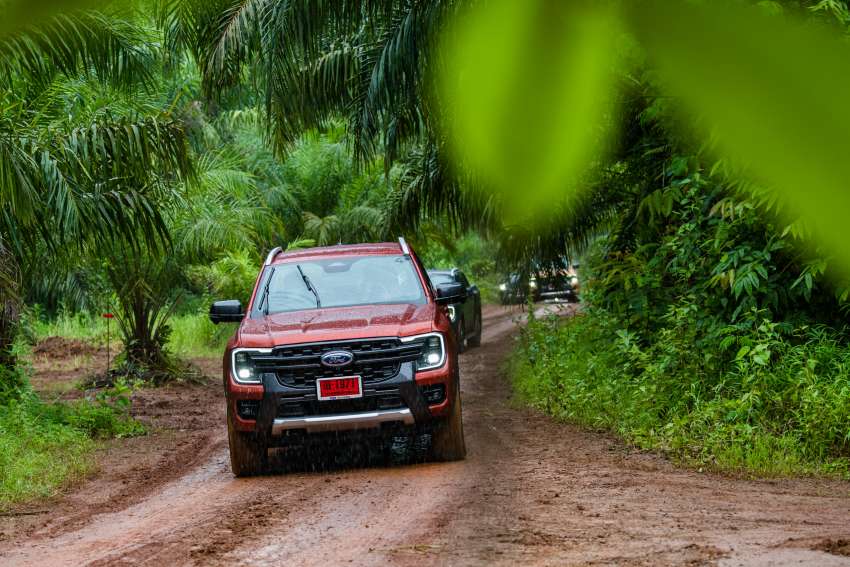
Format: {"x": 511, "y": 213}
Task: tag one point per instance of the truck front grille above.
{"x": 375, "y": 360}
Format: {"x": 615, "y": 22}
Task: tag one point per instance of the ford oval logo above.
{"x": 337, "y": 358}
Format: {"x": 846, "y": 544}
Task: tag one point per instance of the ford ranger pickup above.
{"x": 340, "y": 341}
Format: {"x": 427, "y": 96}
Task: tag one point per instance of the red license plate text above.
{"x": 339, "y": 388}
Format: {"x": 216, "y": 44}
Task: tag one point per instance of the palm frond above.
{"x": 19, "y": 172}
{"x": 429, "y": 186}
{"x": 300, "y": 244}
{"x": 225, "y": 210}
{"x": 111, "y": 49}
{"x": 366, "y": 60}
{"x": 362, "y": 224}
{"x": 100, "y": 181}
{"x": 9, "y": 276}
{"x": 214, "y": 226}
{"x": 323, "y": 230}
{"x": 309, "y": 95}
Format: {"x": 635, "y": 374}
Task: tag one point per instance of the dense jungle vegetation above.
{"x": 151, "y": 154}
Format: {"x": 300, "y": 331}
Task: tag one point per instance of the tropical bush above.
{"x": 779, "y": 406}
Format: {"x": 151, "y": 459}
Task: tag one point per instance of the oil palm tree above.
{"x": 368, "y": 61}
{"x": 73, "y": 180}
{"x": 364, "y": 60}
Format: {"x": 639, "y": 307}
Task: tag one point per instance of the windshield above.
{"x": 339, "y": 282}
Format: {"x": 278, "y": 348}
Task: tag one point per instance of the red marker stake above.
{"x": 107, "y": 316}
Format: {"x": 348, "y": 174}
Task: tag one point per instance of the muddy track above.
{"x": 530, "y": 491}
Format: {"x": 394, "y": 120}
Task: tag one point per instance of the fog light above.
{"x": 434, "y": 394}
{"x": 248, "y": 409}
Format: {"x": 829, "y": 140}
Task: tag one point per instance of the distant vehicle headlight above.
{"x": 433, "y": 353}
{"x": 574, "y": 281}
{"x": 503, "y": 287}
{"x": 532, "y": 284}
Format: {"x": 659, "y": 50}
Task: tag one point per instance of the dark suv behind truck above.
{"x": 465, "y": 315}
{"x": 342, "y": 339}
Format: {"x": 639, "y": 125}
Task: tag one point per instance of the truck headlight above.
{"x": 433, "y": 352}
{"x": 532, "y": 284}
{"x": 452, "y": 313}
{"x": 243, "y": 366}
{"x": 503, "y": 287}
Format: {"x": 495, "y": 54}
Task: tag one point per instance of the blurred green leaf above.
{"x": 529, "y": 85}
{"x": 18, "y": 14}
{"x": 771, "y": 92}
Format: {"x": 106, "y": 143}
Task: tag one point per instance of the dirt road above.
{"x": 531, "y": 491}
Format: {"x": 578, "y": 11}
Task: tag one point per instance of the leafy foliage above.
{"x": 777, "y": 406}
{"x": 708, "y": 332}
{"x": 713, "y": 329}
{"x": 110, "y": 48}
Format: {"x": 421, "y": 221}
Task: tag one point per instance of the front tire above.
{"x": 248, "y": 454}
{"x": 461, "y": 336}
{"x": 448, "y": 443}
{"x": 475, "y": 340}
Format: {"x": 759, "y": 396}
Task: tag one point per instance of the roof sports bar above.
{"x": 272, "y": 254}
{"x": 405, "y": 249}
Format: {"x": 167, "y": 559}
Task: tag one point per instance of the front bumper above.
{"x": 558, "y": 295}
{"x": 345, "y": 421}
{"x": 282, "y": 410}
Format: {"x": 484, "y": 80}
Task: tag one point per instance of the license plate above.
{"x": 339, "y": 388}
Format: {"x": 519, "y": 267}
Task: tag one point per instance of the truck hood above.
{"x": 336, "y": 324}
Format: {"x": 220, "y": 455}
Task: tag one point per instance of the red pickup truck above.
{"x": 342, "y": 339}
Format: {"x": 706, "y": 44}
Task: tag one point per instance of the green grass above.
{"x": 71, "y": 326}
{"x": 193, "y": 335}
{"x": 788, "y": 416}
{"x": 37, "y": 454}
{"x": 44, "y": 447}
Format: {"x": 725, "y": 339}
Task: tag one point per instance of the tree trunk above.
{"x": 9, "y": 319}
{"x": 143, "y": 286}
{"x": 140, "y": 329}
{"x": 11, "y": 380}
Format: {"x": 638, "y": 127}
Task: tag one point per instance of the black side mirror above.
{"x": 451, "y": 293}
{"x": 229, "y": 311}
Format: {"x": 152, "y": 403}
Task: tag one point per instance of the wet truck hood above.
{"x": 338, "y": 323}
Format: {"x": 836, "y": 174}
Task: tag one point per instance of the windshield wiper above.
{"x": 265, "y": 299}
{"x": 309, "y": 285}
